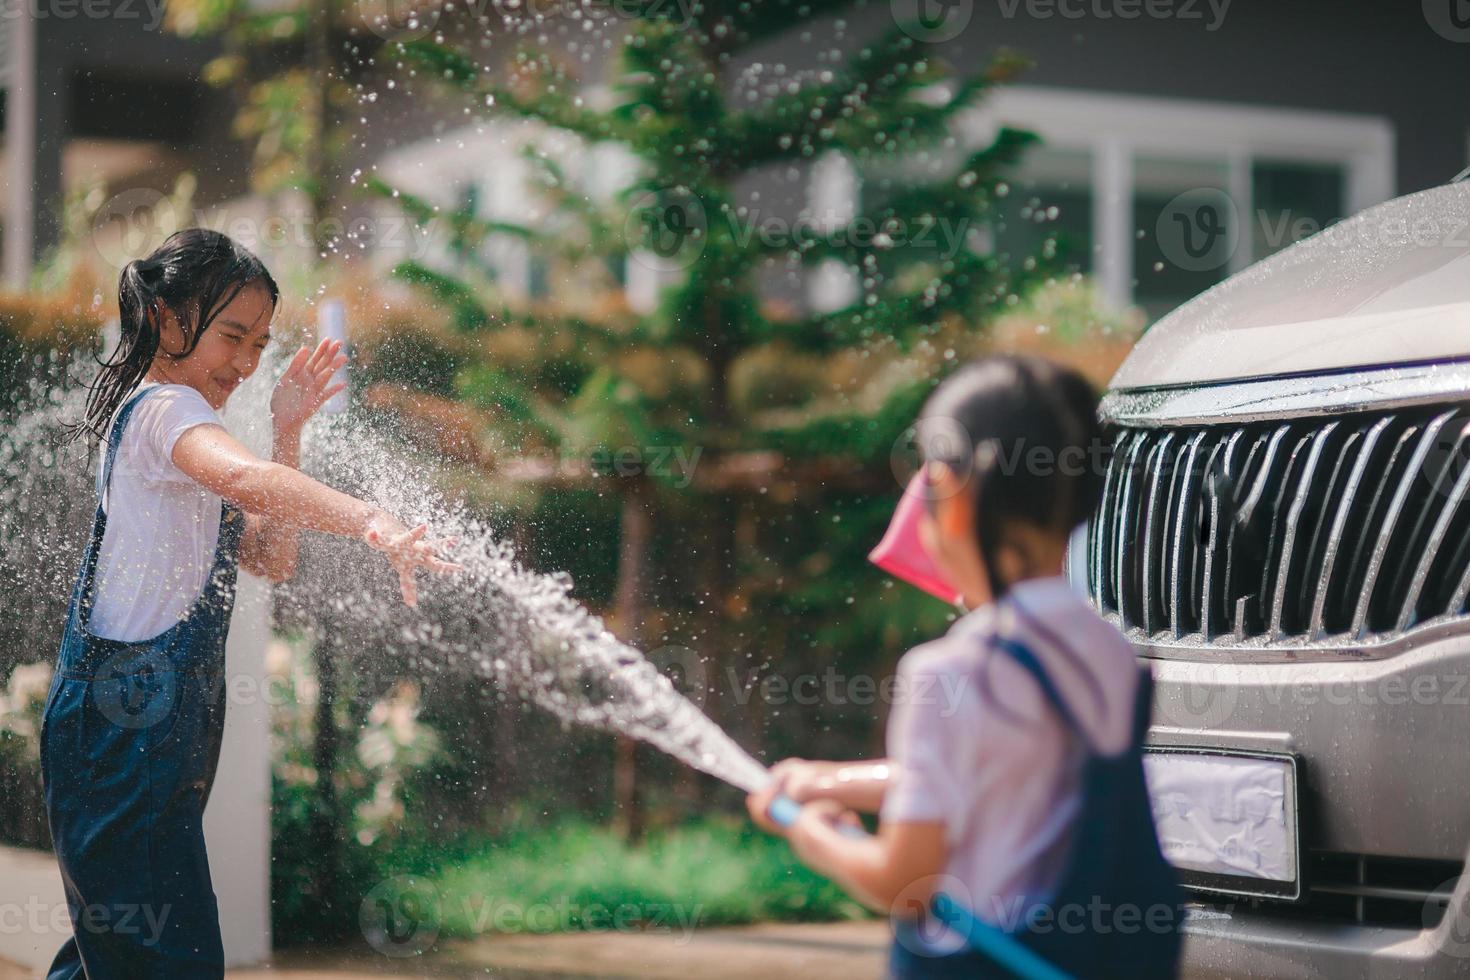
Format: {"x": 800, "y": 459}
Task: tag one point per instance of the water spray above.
{"x": 331, "y": 324}
{"x": 496, "y": 619}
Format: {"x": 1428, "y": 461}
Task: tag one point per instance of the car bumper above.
{"x": 1238, "y": 945}
{"x": 1379, "y": 742}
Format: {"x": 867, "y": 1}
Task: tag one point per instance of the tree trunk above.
{"x": 637, "y": 526}
{"x": 318, "y": 151}
{"x": 326, "y": 825}
{"x": 329, "y": 828}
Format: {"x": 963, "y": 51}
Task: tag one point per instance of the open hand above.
{"x": 407, "y": 551}
{"x": 306, "y": 385}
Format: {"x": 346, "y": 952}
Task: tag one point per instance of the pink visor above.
{"x": 901, "y": 555}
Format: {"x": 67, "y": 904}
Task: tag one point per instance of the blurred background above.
{"x": 656, "y": 288}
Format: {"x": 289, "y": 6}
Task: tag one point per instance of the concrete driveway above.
{"x": 835, "y": 951}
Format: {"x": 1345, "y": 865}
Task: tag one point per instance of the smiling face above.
{"x": 227, "y": 353}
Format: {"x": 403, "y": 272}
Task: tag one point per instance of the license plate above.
{"x": 1228, "y": 820}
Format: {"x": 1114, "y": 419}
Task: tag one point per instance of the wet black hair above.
{"x": 1022, "y": 434}
{"x": 195, "y": 274}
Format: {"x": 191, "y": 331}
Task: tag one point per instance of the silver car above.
{"x": 1285, "y": 534}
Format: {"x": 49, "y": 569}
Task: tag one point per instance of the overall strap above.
{"x": 99, "y": 519}
{"x": 114, "y": 440}
{"x": 1023, "y": 655}
{"x": 1143, "y": 704}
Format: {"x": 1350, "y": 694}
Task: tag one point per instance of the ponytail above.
{"x": 194, "y": 275}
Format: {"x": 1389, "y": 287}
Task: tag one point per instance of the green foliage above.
{"x": 892, "y": 101}
{"x": 529, "y": 876}
{"x": 568, "y": 876}
{"x": 372, "y": 781}
{"x": 22, "y": 810}
{"x": 717, "y": 369}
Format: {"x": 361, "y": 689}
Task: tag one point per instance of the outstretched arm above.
{"x": 859, "y": 785}
{"x": 280, "y": 494}
{"x": 269, "y": 548}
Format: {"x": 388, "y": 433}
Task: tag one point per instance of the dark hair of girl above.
{"x": 194, "y": 274}
{"x": 1023, "y": 436}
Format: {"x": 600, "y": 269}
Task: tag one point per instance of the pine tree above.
{"x": 773, "y": 401}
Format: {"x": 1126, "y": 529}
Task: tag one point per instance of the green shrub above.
{"x": 574, "y": 875}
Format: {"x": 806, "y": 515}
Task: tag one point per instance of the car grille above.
{"x": 1380, "y": 890}
{"x": 1326, "y": 530}
{"x": 1366, "y": 889}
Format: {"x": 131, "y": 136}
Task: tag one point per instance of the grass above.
{"x": 579, "y": 876}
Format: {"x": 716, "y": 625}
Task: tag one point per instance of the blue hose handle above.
{"x": 984, "y": 938}
{"x": 783, "y": 812}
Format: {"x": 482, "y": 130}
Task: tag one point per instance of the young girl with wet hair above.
{"x": 134, "y": 718}
{"x": 1014, "y": 782}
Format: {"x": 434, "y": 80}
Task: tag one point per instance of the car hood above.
{"x": 1390, "y": 285}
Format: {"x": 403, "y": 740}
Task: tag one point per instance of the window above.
{"x": 1292, "y": 201}
{"x": 1186, "y": 230}
{"x": 1050, "y": 198}
{"x": 1159, "y": 199}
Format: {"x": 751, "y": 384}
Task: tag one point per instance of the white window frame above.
{"x": 1117, "y": 129}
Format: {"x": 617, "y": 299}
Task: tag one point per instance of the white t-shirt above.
{"x": 976, "y": 745}
{"x": 162, "y": 527}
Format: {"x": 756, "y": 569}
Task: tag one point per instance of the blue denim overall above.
{"x": 1117, "y": 908}
{"x": 130, "y": 741}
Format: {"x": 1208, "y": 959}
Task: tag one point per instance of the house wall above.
{"x": 1369, "y": 58}
{"x": 126, "y": 44}
{"x": 1224, "y": 86}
